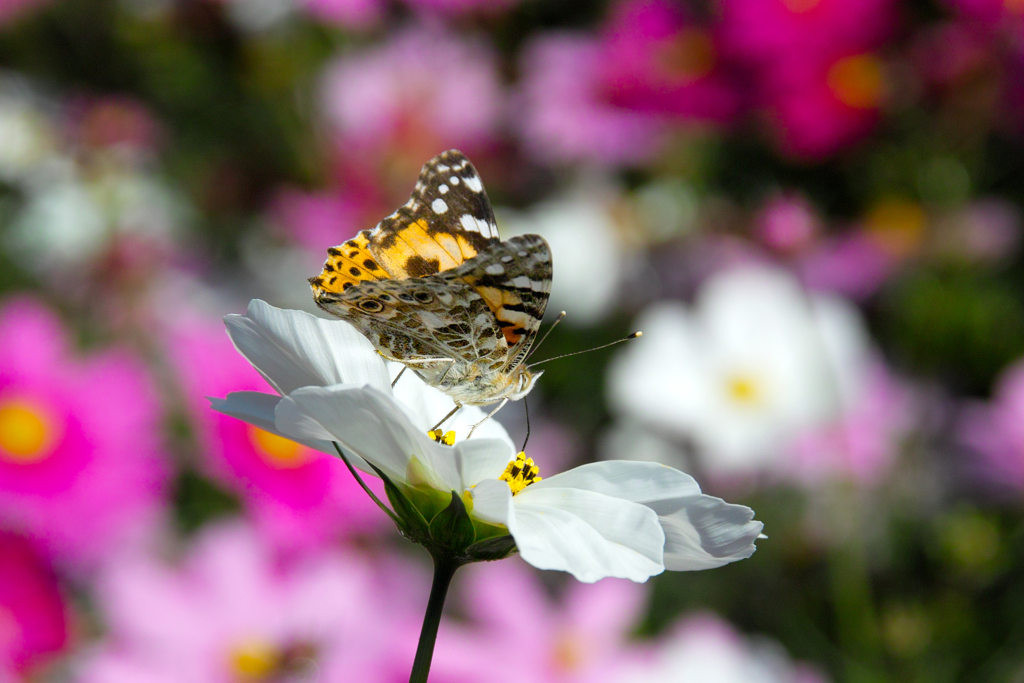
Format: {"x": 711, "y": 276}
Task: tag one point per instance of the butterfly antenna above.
{"x": 526, "y": 407}
{"x": 536, "y": 346}
{"x": 602, "y": 346}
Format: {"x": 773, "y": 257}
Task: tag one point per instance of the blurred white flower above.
{"x": 27, "y": 139}
{"x": 754, "y": 362}
{"x": 706, "y": 649}
{"x": 581, "y": 229}
{"x": 623, "y": 519}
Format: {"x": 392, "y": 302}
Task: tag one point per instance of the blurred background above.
{"x": 812, "y": 208}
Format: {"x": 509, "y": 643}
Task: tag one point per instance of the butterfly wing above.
{"x": 447, "y": 221}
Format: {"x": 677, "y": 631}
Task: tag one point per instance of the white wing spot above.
{"x": 507, "y": 258}
{"x": 439, "y": 206}
{"x": 443, "y": 189}
{"x": 443, "y": 169}
{"x": 474, "y": 224}
{"x": 522, "y": 254}
{"x": 454, "y": 180}
{"x": 494, "y": 269}
{"x": 473, "y": 183}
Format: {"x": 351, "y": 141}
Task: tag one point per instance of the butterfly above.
{"x": 434, "y": 288}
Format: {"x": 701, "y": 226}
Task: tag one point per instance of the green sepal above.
{"x": 489, "y": 549}
{"x": 452, "y": 527}
{"x": 414, "y": 524}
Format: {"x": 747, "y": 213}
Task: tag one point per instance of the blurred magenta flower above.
{"x": 995, "y": 431}
{"x": 582, "y": 638}
{"x": 563, "y": 112}
{"x": 299, "y": 496}
{"x": 762, "y": 32}
{"x": 819, "y": 107}
{"x": 706, "y": 648}
{"x": 853, "y": 265}
{"x": 232, "y": 611}
{"x": 655, "y": 59}
{"x": 317, "y": 220}
{"x": 33, "y": 614}
{"x": 81, "y": 458}
{"x": 422, "y": 90}
{"x": 993, "y": 14}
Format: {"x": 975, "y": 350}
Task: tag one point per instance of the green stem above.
{"x": 366, "y": 488}
{"x": 444, "y": 570}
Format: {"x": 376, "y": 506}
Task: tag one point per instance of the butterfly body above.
{"x": 434, "y": 288}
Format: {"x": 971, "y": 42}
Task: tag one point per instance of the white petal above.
{"x": 707, "y": 532}
{"x": 481, "y": 459}
{"x": 293, "y": 349}
{"x": 374, "y": 426}
{"x": 492, "y": 501}
{"x": 590, "y": 535}
{"x": 259, "y": 409}
{"x": 701, "y": 531}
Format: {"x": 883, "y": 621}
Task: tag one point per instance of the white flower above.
{"x": 622, "y": 519}
{"x": 752, "y": 364}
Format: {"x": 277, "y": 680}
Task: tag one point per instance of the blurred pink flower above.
{"x": 232, "y": 611}
{"x": 863, "y": 444}
{"x": 33, "y": 615}
{"x": 462, "y": 6}
{"x": 12, "y": 9}
{"x": 655, "y": 59}
{"x": 706, "y": 648}
{"x": 563, "y": 112}
{"x": 993, "y": 14}
{"x": 299, "y": 496}
{"x": 762, "y": 32}
{"x": 580, "y": 639}
{"x": 787, "y": 223}
{"x": 81, "y": 462}
{"x": 995, "y": 431}
{"x": 352, "y": 14}
{"x": 317, "y": 220}
{"x": 853, "y": 265}
{"x": 400, "y": 102}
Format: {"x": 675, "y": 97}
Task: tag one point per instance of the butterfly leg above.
{"x": 488, "y": 417}
{"x": 398, "y": 376}
{"x": 444, "y": 419}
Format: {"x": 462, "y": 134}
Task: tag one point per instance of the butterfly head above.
{"x": 521, "y": 381}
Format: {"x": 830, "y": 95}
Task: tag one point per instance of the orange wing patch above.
{"x": 416, "y": 250}
{"x": 348, "y": 265}
{"x": 504, "y": 304}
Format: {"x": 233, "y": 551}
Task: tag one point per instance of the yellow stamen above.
{"x": 447, "y": 438}
{"x": 26, "y": 432}
{"x": 520, "y": 473}
{"x": 277, "y": 450}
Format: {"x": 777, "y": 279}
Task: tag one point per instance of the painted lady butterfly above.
{"x": 434, "y": 288}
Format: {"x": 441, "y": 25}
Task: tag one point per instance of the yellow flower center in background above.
{"x": 857, "y": 81}
{"x": 800, "y": 6}
{"x": 26, "y": 432}
{"x": 898, "y": 225}
{"x": 447, "y": 438}
{"x": 689, "y": 57}
{"x": 743, "y": 389}
{"x": 277, "y": 450}
{"x": 520, "y": 473}
{"x": 254, "y": 660}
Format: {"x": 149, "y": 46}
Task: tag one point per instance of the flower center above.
{"x": 857, "y": 81}
{"x": 254, "y": 660}
{"x": 277, "y": 450}
{"x": 690, "y": 56}
{"x": 567, "y": 654}
{"x": 26, "y": 432}
{"x": 447, "y": 438}
{"x": 800, "y": 6}
{"x": 520, "y": 473}
{"x": 743, "y": 389}
{"x": 898, "y": 225}
{"x": 1014, "y": 6}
